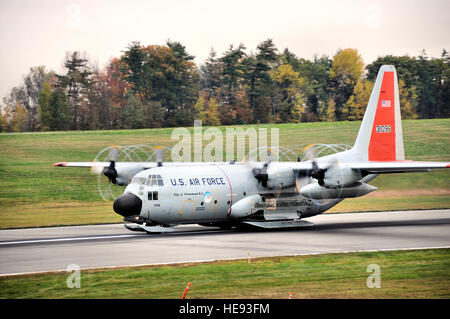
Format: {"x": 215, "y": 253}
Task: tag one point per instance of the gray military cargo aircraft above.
{"x": 264, "y": 194}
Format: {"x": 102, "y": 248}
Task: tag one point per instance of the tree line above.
{"x": 161, "y": 86}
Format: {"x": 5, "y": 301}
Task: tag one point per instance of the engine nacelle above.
{"x": 338, "y": 176}
{"x": 315, "y": 191}
{"x": 125, "y": 173}
{"x": 280, "y": 177}
{"x": 246, "y": 206}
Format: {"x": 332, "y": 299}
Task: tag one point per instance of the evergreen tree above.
{"x": 258, "y": 77}
{"x": 211, "y": 74}
{"x": 59, "y": 111}
{"x": 75, "y": 81}
{"x": 408, "y": 101}
{"x": 132, "y": 114}
{"x": 233, "y": 69}
{"x": 44, "y": 107}
{"x": 134, "y": 59}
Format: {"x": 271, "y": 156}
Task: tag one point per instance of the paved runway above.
{"x": 54, "y": 248}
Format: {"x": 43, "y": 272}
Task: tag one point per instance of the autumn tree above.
{"x": 27, "y": 95}
{"x": 15, "y": 118}
{"x": 207, "y": 110}
{"x": 160, "y": 86}
{"x": 3, "y": 120}
{"x": 200, "y": 107}
{"x": 117, "y": 89}
{"x": 346, "y": 70}
{"x": 355, "y": 106}
{"x": 290, "y": 103}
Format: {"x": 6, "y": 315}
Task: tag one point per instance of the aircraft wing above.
{"x": 372, "y": 167}
{"x": 397, "y": 166}
{"x": 81, "y": 164}
{"x": 369, "y": 167}
{"x": 144, "y": 165}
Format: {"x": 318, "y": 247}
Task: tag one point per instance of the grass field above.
{"x": 33, "y": 193}
{"x": 403, "y": 274}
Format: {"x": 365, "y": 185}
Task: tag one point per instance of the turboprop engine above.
{"x": 119, "y": 174}
{"x": 280, "y": 177}
{"x": 122, "y": 172}
{"x": 338, "y": 176}
{"x": 335, "y": 175}
{"x": 315, "y": 191}
{"x": 275, "y": 178}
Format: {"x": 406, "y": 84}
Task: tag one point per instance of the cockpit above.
{"x": 143, "y": 187}
{"x": 151, "y": 180}
{"x": 155, "y": 180}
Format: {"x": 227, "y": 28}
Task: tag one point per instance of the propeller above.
{"x": 316, "y": 172}
{"x": 159, "y": 155}
{"x": 110, "y": 171}
{"x": 261, "y": 173}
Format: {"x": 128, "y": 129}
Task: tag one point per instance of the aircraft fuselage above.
{"x": 209, "y": 194}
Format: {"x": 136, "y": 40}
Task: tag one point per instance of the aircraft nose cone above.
{"x": 127, "y": 204}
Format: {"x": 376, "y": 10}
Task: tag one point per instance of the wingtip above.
{"x": 60, "y": 164}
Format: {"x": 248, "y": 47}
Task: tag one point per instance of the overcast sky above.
{"x": 39, "y": 32}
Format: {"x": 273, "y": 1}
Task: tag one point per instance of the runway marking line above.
{"x": 65, "y": 239}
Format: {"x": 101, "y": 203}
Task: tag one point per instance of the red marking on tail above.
{"x": 60, "y": 164}
{"x": 382, "y": 140}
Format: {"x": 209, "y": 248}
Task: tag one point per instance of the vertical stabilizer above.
{"x": 380, "y": 137}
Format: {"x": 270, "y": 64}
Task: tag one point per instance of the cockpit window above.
{"x": 155, "y": 180}
{"x": 138, "y": 180}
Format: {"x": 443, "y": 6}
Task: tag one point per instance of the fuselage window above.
{"x": 152, "y": 195}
